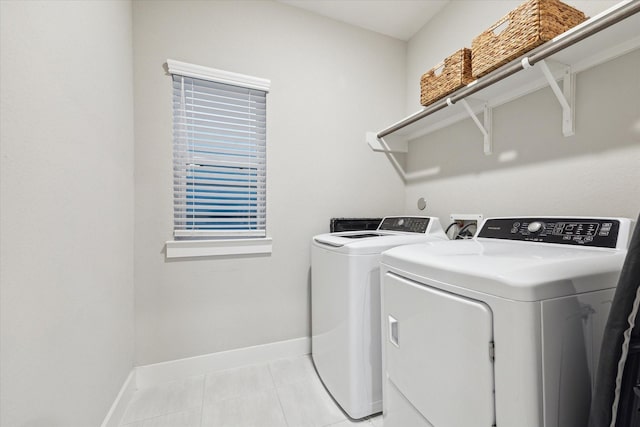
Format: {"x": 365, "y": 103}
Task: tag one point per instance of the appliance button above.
{"x": 535, "y": 226}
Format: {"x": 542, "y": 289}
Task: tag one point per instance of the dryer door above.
{"x": 438, "y": 354}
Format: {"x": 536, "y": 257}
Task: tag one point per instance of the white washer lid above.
{"x": 374, "y": 242}
{"x": 392, "y": 232}
{"x": 515, "y": 270}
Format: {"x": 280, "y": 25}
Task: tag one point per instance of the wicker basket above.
{"x": 448, "y": 76}
{"x": 529, "y": 25}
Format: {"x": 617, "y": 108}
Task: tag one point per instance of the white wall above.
{"x": 330, "y": 84}
{"x": 534, "y": 169}
{"x": 66, "y": 125}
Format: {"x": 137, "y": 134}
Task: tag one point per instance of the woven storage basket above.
{"x": 529, "y": 25}
{"x": 448, "y": 76}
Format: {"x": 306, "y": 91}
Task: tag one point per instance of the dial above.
{"x": 535, "y": 226}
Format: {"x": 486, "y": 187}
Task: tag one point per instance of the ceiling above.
{"x": 396, "y": 18}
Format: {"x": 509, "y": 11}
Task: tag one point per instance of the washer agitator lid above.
{"x": 523, "y": 258}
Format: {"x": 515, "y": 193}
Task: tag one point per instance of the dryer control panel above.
{"x": 408, "y": 224}
{"x": 601, "y": 233}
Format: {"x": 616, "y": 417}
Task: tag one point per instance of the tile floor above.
{"x": 283, "y": 393}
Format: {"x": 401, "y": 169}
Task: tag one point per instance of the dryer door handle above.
{"x": 393, "y": 331}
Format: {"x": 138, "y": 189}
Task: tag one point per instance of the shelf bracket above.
{"x": 388, "y": 144}
{"x": 565, "y": 96}
{"x": 485, "y": 128}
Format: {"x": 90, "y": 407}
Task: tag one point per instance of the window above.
{"x": 219, "y": 153}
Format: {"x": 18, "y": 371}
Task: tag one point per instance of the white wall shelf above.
{"x": 602, "y": 38}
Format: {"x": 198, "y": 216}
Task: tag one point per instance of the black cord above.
{"x": 465, "y": 229}
{"x": 449, "y": 227}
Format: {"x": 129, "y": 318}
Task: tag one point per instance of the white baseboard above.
{"x": 158, "y": 373}
{"x": 116, "y": 411}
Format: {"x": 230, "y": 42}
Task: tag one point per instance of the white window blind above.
{"x": 219, "y": 158}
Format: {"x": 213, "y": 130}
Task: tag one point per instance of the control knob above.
{"x": 535, "y": 226}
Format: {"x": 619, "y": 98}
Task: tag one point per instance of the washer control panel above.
{"x": 602, "y": 233}
{"x": 408, "y": 224}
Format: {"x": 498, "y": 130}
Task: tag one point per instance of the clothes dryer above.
{"x": 500, "y": 330}
{"x": 345, "y": 307}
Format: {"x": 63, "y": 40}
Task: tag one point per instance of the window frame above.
{"x": 239, "y": 242}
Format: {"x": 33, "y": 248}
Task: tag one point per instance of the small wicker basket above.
{"x": 447, "y": 77}
{"x": 529, "y": 25}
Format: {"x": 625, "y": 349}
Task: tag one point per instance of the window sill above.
{"x": 212, "y": 248}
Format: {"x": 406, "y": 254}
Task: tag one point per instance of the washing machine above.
{"x": 345, "y": 307}
{"x": 500, "y": 330}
